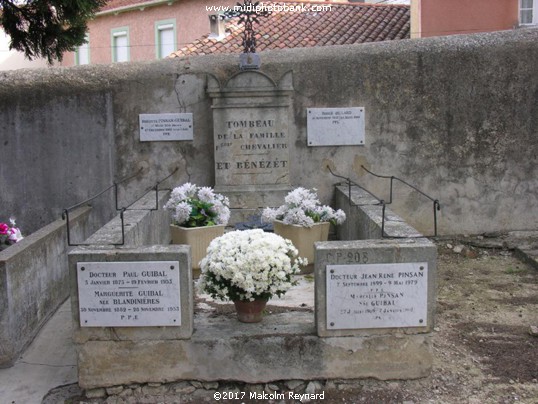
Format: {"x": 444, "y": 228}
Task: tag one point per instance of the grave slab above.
{"x": 283, "y": 347}
{"x": 382, "y": 282}
{"x": 143, "y": 295}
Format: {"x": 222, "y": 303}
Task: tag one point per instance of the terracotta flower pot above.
{"x": 198, "y": 238}
{"x": 303, "y": 238}
{"x": 250, "y": 312}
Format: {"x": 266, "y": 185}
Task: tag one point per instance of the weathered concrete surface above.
{"x": 57, "y": 148}
{"x": 49, "y": 361}
{"x": 34, "y": 280}
{"x": 221, "y": 348}
{"x": 143, "y": 226}
{"x": 364, "y": 217}
{"x": 456, "y": 116}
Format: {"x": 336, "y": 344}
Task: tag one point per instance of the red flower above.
{"x": 4, "y": 228}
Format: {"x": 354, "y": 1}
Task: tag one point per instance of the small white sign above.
{"x": 129, "y": 294}
{"x": 166, "y": 127}
{"x": 377, "y": 295}
{"x": 335, "y": 126}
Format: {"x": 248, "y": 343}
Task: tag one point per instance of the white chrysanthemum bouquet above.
{"x": 249, "y": 265}
{"x": 194, "y": 206}
{"x": 303, "y": 208}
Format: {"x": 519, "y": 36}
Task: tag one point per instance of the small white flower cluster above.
{"x": 248, "y": 265}
{"x": 303, "y": 208}
{"x": 197, "y": 206}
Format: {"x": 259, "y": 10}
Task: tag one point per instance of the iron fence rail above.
{"x": 381, "y": 202}
{"x": 122, "y": 210}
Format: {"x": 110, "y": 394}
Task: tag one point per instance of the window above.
{"x": 528, "y": 12}
{"x": 82, "y": 53}
{"x": 165, "y": 38}
{"x": 120, "y": 45}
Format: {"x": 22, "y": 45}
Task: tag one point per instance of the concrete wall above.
{"x": 144, "y": 223}
{"x": 456, "y": 116}
{"x": 365, "y": 219}
{"x": 57, "y": 147}
{"x": 34, "y": 282}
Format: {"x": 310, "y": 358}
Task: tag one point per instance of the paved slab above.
{"x": 48, "y": 362}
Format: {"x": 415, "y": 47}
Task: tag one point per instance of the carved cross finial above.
{"x": 248, "y": 14}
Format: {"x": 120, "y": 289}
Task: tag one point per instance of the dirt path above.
{"x": 483, "y": 351}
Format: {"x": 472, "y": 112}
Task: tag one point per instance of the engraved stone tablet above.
{"x": 165, "y": 127}
{"x": 335, "y": 126}
{"x": 377, "y": 295}
{"x": 129, "y": 294}
{"x": 251, "y": 146}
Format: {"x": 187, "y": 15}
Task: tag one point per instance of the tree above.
{"x": 47, "y": 28}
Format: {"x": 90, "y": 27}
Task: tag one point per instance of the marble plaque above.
{"x": 251, "y": 146}
{"x": 377, "y": 295}
{"x": 335, "y": 126}
{"x": 166, "y": 127}
{"x": 129, "y": 294}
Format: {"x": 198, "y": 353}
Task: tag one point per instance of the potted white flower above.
{"x": 303, "y": 220}
{"x": 248, "y": 267}
{"x": 198, "y": 216}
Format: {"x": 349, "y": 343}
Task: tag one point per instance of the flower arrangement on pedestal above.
{"x": 302, "y": 208}
{"x": 194, "y": 206}
{"x": 9, "y": 234}
{"x": 198, "y": 216}
{"x": 303, "y": 220}
{"x": 249, "y": 266}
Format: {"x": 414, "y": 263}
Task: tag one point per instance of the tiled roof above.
{"x": 113, "y": 4}
{"x": 345, "y": 23}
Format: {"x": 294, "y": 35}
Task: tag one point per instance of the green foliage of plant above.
{"x": 201, "y": 214}
{"x": 193, "y": 206}
{"x": 47, "y": 28}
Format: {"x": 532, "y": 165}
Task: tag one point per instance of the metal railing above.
{"x": 383, "y": 203}
{"x": 122, "y": 210}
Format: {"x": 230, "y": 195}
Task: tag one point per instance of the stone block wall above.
{"x": 34, "y": 282}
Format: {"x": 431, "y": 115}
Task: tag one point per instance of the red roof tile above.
{"x": 345, "y": 23}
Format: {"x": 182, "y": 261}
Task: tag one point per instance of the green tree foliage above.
{"x": 47, "y": 28}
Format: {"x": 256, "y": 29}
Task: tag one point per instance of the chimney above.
{"x": 217, "y": 26}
